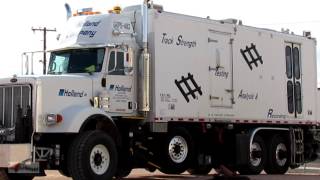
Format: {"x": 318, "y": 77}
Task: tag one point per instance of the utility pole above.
{"x": 44, "y": 30}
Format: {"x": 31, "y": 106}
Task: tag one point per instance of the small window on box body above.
{"x": 298, "y": 102}
{"x": 296, "y": 61}
{"x": 290, "y": 96}
{"x": 288, "y": 62}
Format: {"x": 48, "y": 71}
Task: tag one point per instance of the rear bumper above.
{"x": 12, "y": 154}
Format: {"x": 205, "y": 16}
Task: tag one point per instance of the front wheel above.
{"x": 93, "y": 156}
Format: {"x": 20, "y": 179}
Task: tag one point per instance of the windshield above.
{"x": 76, "y": 61}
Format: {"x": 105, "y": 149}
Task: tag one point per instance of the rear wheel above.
{"x": 257, "y": 157}
{"x": 178, "y": 152}
{"x": 278, "y": 156}
{"x": 93, "y": 156}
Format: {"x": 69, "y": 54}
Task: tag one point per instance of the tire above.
{"x": 199, "y": 171}
{"x": 255, "y": 164}
{"x": 278, "y": 156}
{"x": 64, "y": 167}
{"x": 177, "y": 152}
{"x": 92, "y": 155}
{"x": 64, "y": 172}
{"x": 122, "y": 173}
{"x": 150, "y": 169}
{"x": 125, "y": 161}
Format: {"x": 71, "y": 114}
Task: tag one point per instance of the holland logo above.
{"x": 61, "y": 92}
{"x": 119, "y": 88}
{"x": 72, "y": 93}
{"x": 111, "y": 87}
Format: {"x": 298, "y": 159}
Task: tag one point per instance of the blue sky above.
{"x": 17, "y": 18}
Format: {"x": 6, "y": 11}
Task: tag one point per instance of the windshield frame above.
{"x": 74, "y": 61}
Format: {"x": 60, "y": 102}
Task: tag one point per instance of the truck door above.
{"x": 119, "y": 81}
{"x": 220, "y": 69}
{"x": 293, "y": 75}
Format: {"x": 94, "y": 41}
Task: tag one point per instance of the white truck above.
{"x": 145, "y": 88}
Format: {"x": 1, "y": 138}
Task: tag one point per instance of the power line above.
{"x": 44, "y": 30}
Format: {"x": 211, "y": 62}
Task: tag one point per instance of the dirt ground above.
{"x": 141, "y": 174}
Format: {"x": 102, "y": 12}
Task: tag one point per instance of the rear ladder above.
{"x": 297, "y": 147}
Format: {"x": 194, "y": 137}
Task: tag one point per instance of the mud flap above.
{"x": 242, "y": 149}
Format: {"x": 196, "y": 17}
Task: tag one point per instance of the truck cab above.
{"x": 91, "y": 79}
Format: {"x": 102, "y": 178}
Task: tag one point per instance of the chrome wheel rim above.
{"x": 178, "y": 149}
{"x": 99, "y": 159}
{"x": 281, "y": 161}
{"x": 255, "y": 161}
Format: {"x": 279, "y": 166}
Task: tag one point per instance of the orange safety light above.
{"x": 115, "y": 10}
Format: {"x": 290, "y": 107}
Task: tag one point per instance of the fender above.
{"x": 78, "y": 117}
{"x": 103, "y": 123}
{"x": 73, "y": 119}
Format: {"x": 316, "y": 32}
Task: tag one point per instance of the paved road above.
{"x": 140, "y": 174}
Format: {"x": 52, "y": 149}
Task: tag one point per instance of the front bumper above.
{"x": 13, "y": 154}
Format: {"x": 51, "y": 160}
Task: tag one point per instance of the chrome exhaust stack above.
{"x": 145, "y": 61}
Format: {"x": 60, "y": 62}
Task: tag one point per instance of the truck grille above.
{"x": 14, "y": 102}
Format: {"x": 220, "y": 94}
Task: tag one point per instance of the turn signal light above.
{"x": 53, "y": 119}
